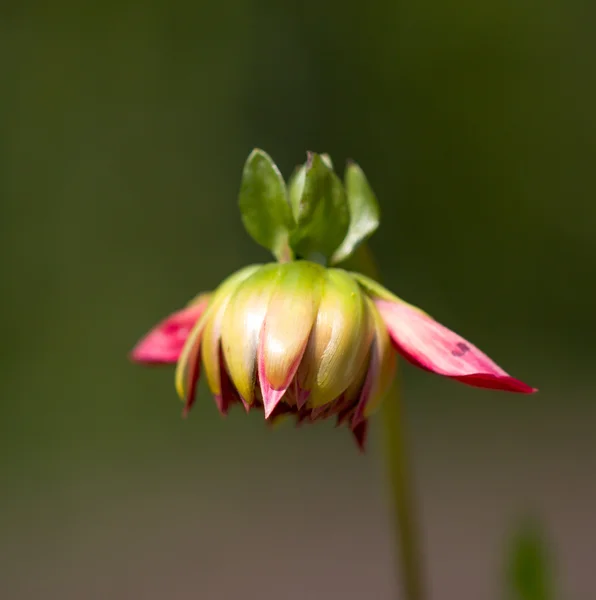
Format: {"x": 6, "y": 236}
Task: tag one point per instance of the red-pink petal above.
{"x": 273, "y": 395}
{"x": 431, "y": 346}
{"x": 163, "y": 344}
{"x": 228, "y": 394}
{"x": 360, "y": 432}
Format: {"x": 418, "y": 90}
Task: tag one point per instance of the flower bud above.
{"x": 297, "y": 339}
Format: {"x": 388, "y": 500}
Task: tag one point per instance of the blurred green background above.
{"x": 123, "y": 130}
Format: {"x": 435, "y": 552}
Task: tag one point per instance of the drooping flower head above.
{"x": 295, "y": 338}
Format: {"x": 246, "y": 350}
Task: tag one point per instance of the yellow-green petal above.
{"x": 290, "y": 316}
{"x": 210, "y": 345}
{"x": 241, "y": 327}
{"x": 381, "y": 369}
{"x": 352, "y": 393}
{"x": 339, "y": 341}
{"x": 185, "y": 368}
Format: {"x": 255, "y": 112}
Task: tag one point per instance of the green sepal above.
{"x": 264, "y": 205}
{"x": 364, "y": 212}
{"x": 320, "y": 210}
{"x": 295, "y": 188}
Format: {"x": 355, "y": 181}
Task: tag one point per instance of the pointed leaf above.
{"x": 295, "y": 189}
{"x": 264, "y": 205}
{"x": 327, "y": 160}
{"x": 321, "y": 211}
{"x": 364, "y": 212}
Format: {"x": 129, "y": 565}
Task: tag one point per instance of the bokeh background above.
{"x": 123, "y": 130}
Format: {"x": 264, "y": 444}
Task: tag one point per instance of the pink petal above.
{"x": 228, "y": 395}
{"x": 300, "y": 394}
{"x": 367, "y": 389}
{"x": 163, "y": 344}
{"x": 271, "y": 397}
{"x": 431, "y": 346}
{"x": 360, "y": 432}
{"x": 247, "y": 406}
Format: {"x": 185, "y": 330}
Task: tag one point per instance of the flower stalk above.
{"x": 407, "y": 533}
{"x": 402, "y": 495}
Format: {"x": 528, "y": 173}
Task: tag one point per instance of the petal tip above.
{"x": 271, "y": 396}
{"x": 271, "y": 399}
{"x": 245, "y": 403}
{"x": 135, "y": 356}
{"x": 360, "y": 432}
{"x": 528, "y": 389}
{"x": 504, "y": 383}
{"x": 163, "y": 343}
{"x": 223, "y": 404}
{"x": 147, "y": 352}
{"x": 302, "y": 397}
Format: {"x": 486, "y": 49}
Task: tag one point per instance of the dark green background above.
{"x": 123, "y": 130}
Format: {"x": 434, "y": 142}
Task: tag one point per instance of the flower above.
{"x": 300, "y": 339}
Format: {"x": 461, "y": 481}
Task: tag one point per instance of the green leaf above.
{"x": 327, "y": 160}
{"x": 264, "y": 205}
{"x": 295, "y": 188}
{"x": 528, "y": 567}
{"x": 364, "y": 212}
{"x": 321, "y": 210}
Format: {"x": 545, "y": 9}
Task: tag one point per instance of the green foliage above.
{"x": 264, "y": 205}
{"x": 315, "y": 217}
{"x": 364, "y": 212}
{"x": 529, "y": 570}
{"x": 321, "y": 211}
{"x": 296, "y": 187}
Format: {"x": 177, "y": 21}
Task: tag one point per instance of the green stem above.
{"x": 403, "y": 500}
{"x": 406, "y": 526}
